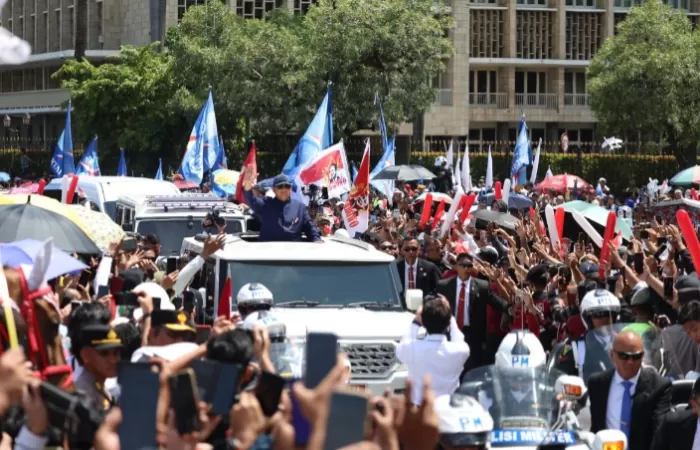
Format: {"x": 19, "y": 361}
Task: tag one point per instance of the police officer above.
{"x": 285, "y": 358}
{"x": 253, "y": 297}
{"x": 579, "y": 356}
{"x": 100, "y": 351}
{"x": 463, "y": 423}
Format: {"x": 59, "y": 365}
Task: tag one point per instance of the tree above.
{"x": 131, "y": 102}
{"x": 643, "y": 82}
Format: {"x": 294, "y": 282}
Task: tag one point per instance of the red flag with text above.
{"x": 356, "y": 210}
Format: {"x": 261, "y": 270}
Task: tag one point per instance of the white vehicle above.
{"x": 174, "y": 217}
{"x": 342, "y": 286}
{"x": 103, "y": 191}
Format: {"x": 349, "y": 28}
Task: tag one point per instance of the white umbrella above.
{"x": 613, "y": 143}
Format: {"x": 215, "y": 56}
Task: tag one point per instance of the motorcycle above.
{"x": 534, "y": 408}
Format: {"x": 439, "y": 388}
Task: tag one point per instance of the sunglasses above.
{"x": 387, "y": 247}
{"x": 284, "y": 186}
{"x": 410, "y": 249}
{"x": 466, "y": 265}
{"x": 627, "y": 355}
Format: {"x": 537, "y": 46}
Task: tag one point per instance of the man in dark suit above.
{"x": 415, "y": 272}
{"x": 629, "y": 398}
{"x": 468, "y": 297}
{"x": 679, "y": 430}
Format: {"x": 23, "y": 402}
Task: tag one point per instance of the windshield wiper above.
{"x": 297, "y": 303}
{"x": 371, "y": 305}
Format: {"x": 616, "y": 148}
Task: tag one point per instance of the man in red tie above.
{"x": 415, "y": 272}
{"x": 468, "y": 297}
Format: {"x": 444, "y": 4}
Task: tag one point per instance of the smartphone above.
{"x": 207, "y": 374}
{"x": 202, "y": 334}
{"x": 268, "y": 392}
{"x": 184, "y": 400}
{"x": 638, "y": 259}
{"x": 171, "y": 264}
{"x": 126, "y": 299}
{"x": 668, "y": 288}
{"x": 128, "y": 245}
{"x": 74, "y": 304}
{"x": 140, "y": 386}
{"x": 660, "y": 251}
{"x": 396, "y": 214}
{"x": 302, "y": 427}
{"x": 226, "y": 389}
{"x": 116, "y": 285}
{"x": 644, "y": 234}
{"x": 102, "y": 291}
{"x": 84, "y": 277}
{"x": 321, "y": 357}
{"x": 347, "y": 420}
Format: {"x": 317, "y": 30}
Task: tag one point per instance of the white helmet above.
{"x": 254, "y": 294}
{"x": 463, "y": 421}
{"x": 599, "y": 301}
{"x": 440, "y": 160}
{"x": 520, "y": 348}
{"x": 275, "y": 328}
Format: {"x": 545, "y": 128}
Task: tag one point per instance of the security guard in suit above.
{"x": 100, "y": 353}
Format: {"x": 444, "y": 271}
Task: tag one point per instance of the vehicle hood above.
{"x": 349, "y": 323}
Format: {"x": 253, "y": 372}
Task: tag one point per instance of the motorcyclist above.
{"x": 284, "y": 356}
{"x": 577, "y": 356}
{"x": 253, "y": 297}
{"x": 464, "y": 423}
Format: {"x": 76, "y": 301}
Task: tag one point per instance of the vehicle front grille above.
{"x": 370, "y": 360}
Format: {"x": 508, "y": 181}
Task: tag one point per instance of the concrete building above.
{"x": 511, "y": 57}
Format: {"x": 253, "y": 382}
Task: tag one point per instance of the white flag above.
{"x": 549, "y": 173}
{"x": 536, "y": 164}
{"x": 456, "y": 175}
{"x": 489, "y": 171}
{"x": 466, "y": 176}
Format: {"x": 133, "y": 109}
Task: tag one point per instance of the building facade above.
{"x": 512, "y": 57}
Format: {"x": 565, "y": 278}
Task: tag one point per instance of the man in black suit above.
{"x": 629, "y": 398}
{"x": 468, "y": 297}
{"x": 415, "y": 272}
{"x": 679, "y": 430}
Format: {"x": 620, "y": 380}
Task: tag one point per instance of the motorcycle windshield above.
{"x": 288, "y": 358}
{"x": 658, "y": 348}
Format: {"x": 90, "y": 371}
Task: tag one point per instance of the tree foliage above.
{"x": 268, "y": 76}
{"x": 643, "y": 82}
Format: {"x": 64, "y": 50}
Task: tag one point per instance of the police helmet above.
{"x": 599, "y": 302}
{"x": 276, "y": 329}
{"x": 520, "y": 348}
{"x": 463, "y": 422}
{"x": 254, "y": 294}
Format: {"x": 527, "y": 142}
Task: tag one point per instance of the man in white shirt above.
{"x": 681, "y": 429}
{"x": 434, "y": 354}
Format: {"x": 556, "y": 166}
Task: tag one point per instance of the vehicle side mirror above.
{"x": 610, "y": 440}
{"x": 414, "y": 299}
{"x": 128, "y": 227}
{"x": 571, "y": 387}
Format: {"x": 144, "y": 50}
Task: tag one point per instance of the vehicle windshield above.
{"x": 172, "y": 231}
{"x": 658, "y": 348}
{"x": 328, "y": 283}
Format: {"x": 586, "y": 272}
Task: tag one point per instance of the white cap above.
{"x": 342, "y": 232}
{"x": 155, "y": 291}
{"x": 167, "y": 352}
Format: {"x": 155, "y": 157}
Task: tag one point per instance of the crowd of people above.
{"x": 481, "y": 281}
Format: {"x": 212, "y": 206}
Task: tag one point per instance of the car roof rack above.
{"x": 196, "y": 201}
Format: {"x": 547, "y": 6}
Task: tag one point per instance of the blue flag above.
{"x": 318, "y": 136}
{"x": 62, "y": 162}
{"x": 203, "y": 146}
{"x": 121, "y": 170}
{"x": 382, "y": 124}
{"x": 221, "y": 161}
{"x": 159, "y": 174}
{"x": 89, "y": 164}
{"x": 388, "y": 158}
{"x": 521, "y": 156}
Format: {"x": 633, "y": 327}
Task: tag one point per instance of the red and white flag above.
{"x": 249, "y": 165}
{"x": 329, "y": 169}
{"x": 356, "y": 210}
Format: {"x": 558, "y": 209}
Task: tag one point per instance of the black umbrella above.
{"x": 503, "y": 220}
{"x": 405, "y": 172}
{"x": 26, "y": 221}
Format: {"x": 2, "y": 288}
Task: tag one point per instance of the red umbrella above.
{"x": 185, "y": 185}
{"x": 559, "y": 183}
{"x": 25, "y": 188}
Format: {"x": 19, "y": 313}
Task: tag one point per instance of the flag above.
{"x": 121, "y": 170}
{"x": 354, "y": 170}
{"x": 62, "y": 162}
{"x": 89, "y": 164}
{"x": 356, "y": 209}
{"x": 223, "y": 307}
{"x": 221, "y": 160}
{"x": 466, "y": 171}
{"x": 202, "y": 152}
{"x": 521, "y": 155}
{"x": 249, "y": 164}
{"x": 450, "y": 157}
{"x": 328, "y": 169}
{"x": 159, "y": 174}
{"x": 456, "y": 171}
{"x": 318, "y": 136}
{"x": 489, "y": 170}
{"x": 549, "y": 173}
{"x": 382, "y": 124}
{"x": 388, "y": 158}
{"x": 536, "y": 164}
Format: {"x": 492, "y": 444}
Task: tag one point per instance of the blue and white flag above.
{"x": 522, "y": 156}
{"x": 89, "y": 164}
{"x": 62, "y": 162}
{"x": 318, "y": 137}
{"x": 159, "y": 174}
{"x": 121, "y": 169}
{"x": 221, "y": 160}
{"x": 203, "y": 147}
{"x": 388, "y": 158}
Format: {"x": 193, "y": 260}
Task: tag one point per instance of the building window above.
{"x": 484, "y": 2}
{"x": 486, "y": 33}
{"x": 256, "y": 9}
{"x": 530, "y": 82}
{"x": 679, "y": 4}
{"x": 442, "y": 81}
{"x": 301, "y": 6}
{"x": 584, "y": 35}
{"x": 575, "y": 89}
{"x": 581, "y": 3}
{"x": 627, "y": 3}
{"x": 483, "y": 81}
{"x": 534, "y": 34}
{"x": 184, "y": 5}
{"x": 533, "y": 2}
